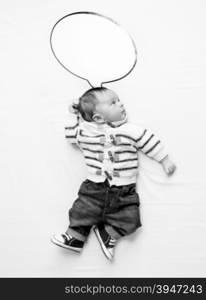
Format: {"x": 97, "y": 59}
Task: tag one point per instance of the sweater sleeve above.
{"x": 71, "y": 128}
{"x": 150, "y": 144}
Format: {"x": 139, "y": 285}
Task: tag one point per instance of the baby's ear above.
{"x": 71, "y": 109}
{"x": 97, "y": 118}
{"x": 74, "y": 108}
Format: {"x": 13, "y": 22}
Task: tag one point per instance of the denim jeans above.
{"x": 117, "y": 207}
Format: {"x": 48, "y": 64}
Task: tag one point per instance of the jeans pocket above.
{"x": 86, "y": 184}
{"x": 87, "y": 181}
{"x": 84, "y": 187}
{"x": 129, "y": 196}
{"x": 131, "y": 190}
{"x": 128, "y": 190}
{"x": 89, "y": 187}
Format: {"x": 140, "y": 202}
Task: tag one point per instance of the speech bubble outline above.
{"x": 101, "y": 16}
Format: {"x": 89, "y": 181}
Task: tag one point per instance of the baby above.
{"x": 107, "y": 199}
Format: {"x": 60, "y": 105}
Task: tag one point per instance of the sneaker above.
{"x": 67, "y": 241}
{"x": 107, "y": 243}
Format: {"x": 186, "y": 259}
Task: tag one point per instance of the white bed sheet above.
{"x": 40, "y": 173}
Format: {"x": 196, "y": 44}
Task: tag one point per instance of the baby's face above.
{"x": 110, "y": 107}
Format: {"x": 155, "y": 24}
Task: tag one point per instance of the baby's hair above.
{"x": 88, "y": 101}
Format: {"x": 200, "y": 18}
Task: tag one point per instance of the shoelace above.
{"x": 68, "y": 236}
{"x": 111, "y": 243}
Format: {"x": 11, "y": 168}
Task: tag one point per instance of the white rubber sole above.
{"x": 104, "y": 249}
{"x": 60, "y": 244}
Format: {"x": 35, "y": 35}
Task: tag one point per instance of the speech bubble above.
{"x": 93, "y": 47}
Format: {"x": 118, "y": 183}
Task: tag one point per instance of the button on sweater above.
{"x": 111, "y": 150}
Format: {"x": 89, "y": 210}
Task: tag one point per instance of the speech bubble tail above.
{"x": 94, "y": 83}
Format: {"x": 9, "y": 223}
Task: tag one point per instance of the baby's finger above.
{"x": 172, "y": 169}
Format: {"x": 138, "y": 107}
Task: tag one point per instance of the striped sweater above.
{"x": 112, "y": 151}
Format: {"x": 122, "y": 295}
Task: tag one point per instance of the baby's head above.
{"x": 101, "y": 105}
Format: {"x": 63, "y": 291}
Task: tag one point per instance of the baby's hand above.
{"x": 168, "y": 166}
